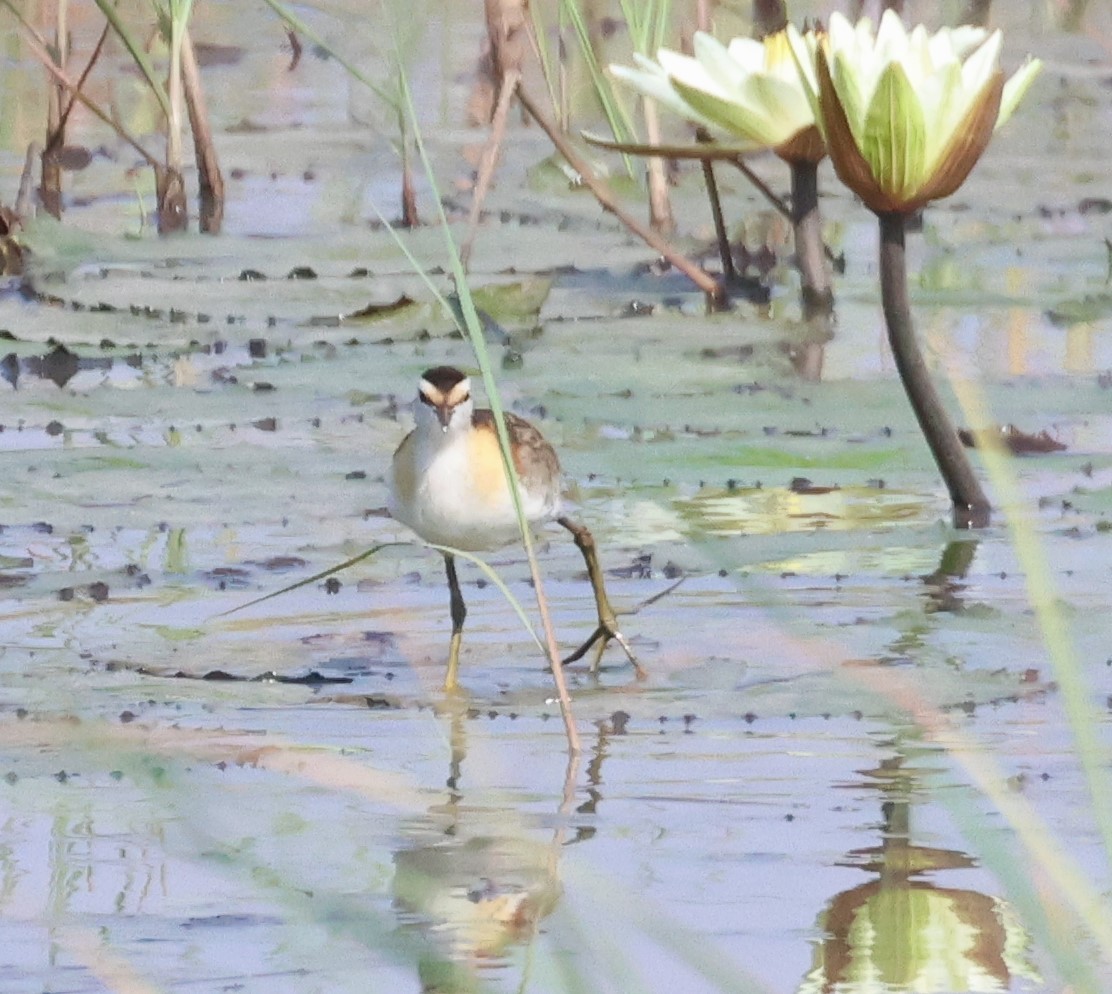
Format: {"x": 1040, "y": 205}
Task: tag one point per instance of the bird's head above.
{"x": 444, "y": 398}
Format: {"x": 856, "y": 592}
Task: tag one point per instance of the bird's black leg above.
{"x": 459, "y": 613}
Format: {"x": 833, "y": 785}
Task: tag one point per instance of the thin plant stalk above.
{"x": 39, "y": 49}
{"x": 1077, "y": 695}
{"x": 716, "y": 295}
{"x": 410, "y": 216}
{"x": 169, "y": 184}
{"x": 173, "y": 214}
{"x": 729, "y": 272}
{"x": 474, "y": 330}
{"x": 137, "y": 52}
{"x": 660, "y": 204}
{"x": 507, "y": 88}
{"x": 507, "y": 43}
{"x": 210, "y": 181}
{"x": 816, "y": 294}
{"x": 647, "y": 21}
{"x": 50, "y": 190}
{"x": 550, "y": 67}
{"x": 612, "y": 108}
{"x": 818, "y": 297}
{"x": 971, "y": 508}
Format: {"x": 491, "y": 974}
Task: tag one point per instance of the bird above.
{"x": 448, "y": 484}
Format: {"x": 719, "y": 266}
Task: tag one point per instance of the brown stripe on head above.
{"x": 444, "y": 385}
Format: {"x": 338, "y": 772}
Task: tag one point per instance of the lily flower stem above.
{"x": 810, "y": 252}
{"x": 971, "y": 506}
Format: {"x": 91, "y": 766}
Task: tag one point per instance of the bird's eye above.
{"x": 425, "y": 398}
{"x": 463, "y": 400}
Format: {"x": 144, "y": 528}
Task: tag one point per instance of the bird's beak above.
{"x": 444, "y": 416}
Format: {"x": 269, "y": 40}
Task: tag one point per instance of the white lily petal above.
{"x": 965, "y": 39}
{"x": 917, "y": 104}
{"x": 747, "y": 53}
{"x": 803, "y": 51}
{"x": 839, "y": 32}
{"x": 979, "y": 68}
{"x": 851, "y": 96}
{"x": 782, "y": 109}
{"x": 652, "y": 81}
{"x": 714, "y": 58}
{"x": 944, "y": 107}
{"x": 891, "y": 37}
{"x": 1016, "y": 87}
{"x": 676, "y": 65}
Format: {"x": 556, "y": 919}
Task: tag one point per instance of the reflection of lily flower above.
{"x": 907, "y": 116}
{"x": 750, "y": 90}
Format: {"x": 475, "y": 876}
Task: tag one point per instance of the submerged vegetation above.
{"x": 870, "y": 752}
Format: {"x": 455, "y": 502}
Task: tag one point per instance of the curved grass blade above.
{"x": 494, "y": 578}
{"x": 616, "y": 115}
{"x": 1077, "y": 696}
{"x": 287, "y": 15}
{"x": 323, "y": 574}
{"x": 474, "y": 330}
{"x": 135, "y": 49}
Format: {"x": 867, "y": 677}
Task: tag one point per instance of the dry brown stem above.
{"x": 660, "y": 203}
{"x": 50, "y": 187}
{"x": 716, "y": 295}
{"x": 210, "y": 181}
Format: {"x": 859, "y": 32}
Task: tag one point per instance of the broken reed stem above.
{"x": 50, "y": 187}
{"x": 173, "y": 213}
{"x": 971, "y": 508}
{"x": 50, "y": 191}
{"x": 38, "y": 48}
{"x": 210, "y": 181}
{"x": 508, "y": 86}
{"x": 660, "y": 204}
{"x": 411, "y": 217}
{"x": 715, "y": 292}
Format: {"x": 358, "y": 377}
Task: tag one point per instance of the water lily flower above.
{"x": 755, "y": 91}
{"x": 906, "y": 115}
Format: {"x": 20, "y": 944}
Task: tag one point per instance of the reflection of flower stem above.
{"x": 818, "y": 298}
{"x": 971, "y": 507}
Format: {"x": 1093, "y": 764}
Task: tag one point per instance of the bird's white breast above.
{"x": 440, "y": 491}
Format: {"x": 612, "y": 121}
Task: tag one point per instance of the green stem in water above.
{"x": 971, "y": 506}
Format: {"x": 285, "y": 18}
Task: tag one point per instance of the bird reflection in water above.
{"x": 482, "y": 884}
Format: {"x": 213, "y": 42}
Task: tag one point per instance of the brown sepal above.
{"x": 849, "y": 163}
{"x": 968, "y": 143}
{"x": 804, "y": 146}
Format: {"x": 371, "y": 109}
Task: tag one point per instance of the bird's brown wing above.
{"x": 535, "y": 460}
